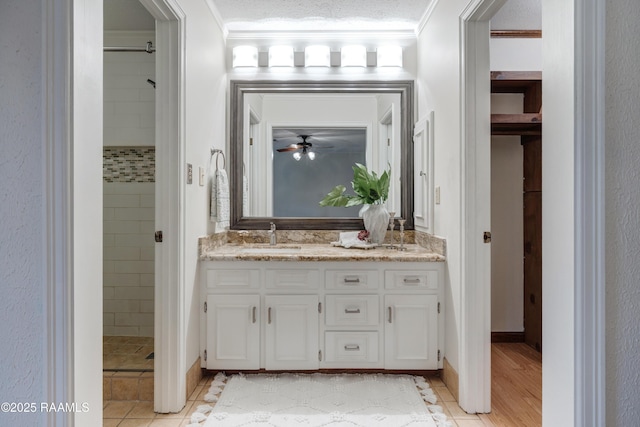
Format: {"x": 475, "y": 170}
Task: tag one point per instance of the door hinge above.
{"x": 438, "y": 355}
{"x": 320, "y": 355}
{"x": 388, "y": 142}
{"x": 487, "y": 237}
{"x": 158, "y": 236}
{"x": 205, "y": 355}
{"x": 250, "y": 141}
{"x": 438, "y": 308}
{"x": 205, "y": 306}
{"x": 319, "y": 307}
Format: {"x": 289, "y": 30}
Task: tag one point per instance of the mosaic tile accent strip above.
{"x": 129, "y": 164}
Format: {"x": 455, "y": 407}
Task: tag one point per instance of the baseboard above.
{"x": 507, "y": 336}
{"x": 450, "y": 379}
{"x": 194, "y": 375}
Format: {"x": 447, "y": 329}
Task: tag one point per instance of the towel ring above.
{"x": 217, "y": 153}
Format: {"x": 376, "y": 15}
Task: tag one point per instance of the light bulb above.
{"x": 297, "y": 156}
{"x": 281, "y": 56}
{"x": 311, "y": 155}
{"x": 317, "y": 56}
{"x": 353, "y": 56}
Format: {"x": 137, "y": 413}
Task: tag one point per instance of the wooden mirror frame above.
{"x": 405, "y": 88}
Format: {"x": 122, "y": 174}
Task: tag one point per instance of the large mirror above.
{"x": 292, "y": 142}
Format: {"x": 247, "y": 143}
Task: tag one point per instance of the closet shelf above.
{"x": 516, "y": 124}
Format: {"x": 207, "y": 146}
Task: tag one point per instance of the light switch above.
{"x": 201, "y": 174}
{"x": 438, "y": 195}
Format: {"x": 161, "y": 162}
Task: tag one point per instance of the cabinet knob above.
{"x": 352, "y": 310}
{"x": 350, "y": 280}
{"x": 390, "y": 313}
{"x": 352, "y": 347}
{"x": 253, "y": 314}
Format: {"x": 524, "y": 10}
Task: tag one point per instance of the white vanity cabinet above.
{"x": 284, "y": 315}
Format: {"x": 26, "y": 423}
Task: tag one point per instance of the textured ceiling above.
{"x": 321, "y": 14}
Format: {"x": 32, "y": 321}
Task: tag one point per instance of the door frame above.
{"x": 170, "y": 329}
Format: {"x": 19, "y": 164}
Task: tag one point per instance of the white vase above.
{"x": 376, "y": 221}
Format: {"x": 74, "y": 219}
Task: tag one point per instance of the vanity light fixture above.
{"x": 245, "y": 56}
{"x": 389, "y": 56}
{"x": 353, "y": 56}
{"x": 317, "y": 56}
{"x": 280, "y": 56}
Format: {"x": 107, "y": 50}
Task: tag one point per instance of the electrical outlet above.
{"x": 438, "y": 195}
{"x": 189, "y": 173}
{"x": 201, "y": 175}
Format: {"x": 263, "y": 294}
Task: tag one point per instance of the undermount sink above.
{"x": 270, "y": 249}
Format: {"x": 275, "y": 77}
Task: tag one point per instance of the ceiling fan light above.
{"x": 281, "y": 56}
{"x": 389, "y": 56}
{"x": 311, "y": 155}
{"x": 353, "y": 56}
{"x": 297, "y": 156}
{"x": 245, "y": 56}
{"x": 317, "y": 56}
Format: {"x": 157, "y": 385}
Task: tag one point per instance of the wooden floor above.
{"x": 516, "y": 386}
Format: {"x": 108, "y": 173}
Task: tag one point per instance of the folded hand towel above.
{"x": 349, "y": 239}
{"x": 220, "y": 199}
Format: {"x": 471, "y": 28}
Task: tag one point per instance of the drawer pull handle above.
{"x": 253, "y": 314}
{"x": 412, "y": 280}
{"x": 269, "y": 315}
{"x": 352, "y": 347}
{"x": 350, "y": 280}
{"x": 352, "y": 310}
{"x": 390, "y": 314}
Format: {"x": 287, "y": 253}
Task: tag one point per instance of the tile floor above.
{"x": 140, "y": 413}
{"x": 127, "y": 353}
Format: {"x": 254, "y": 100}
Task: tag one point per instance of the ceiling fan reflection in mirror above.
{"x": 301, "y": 149}
{"x": 328, "y": 140}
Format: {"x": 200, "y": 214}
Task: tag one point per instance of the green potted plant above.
{"x": 370, "y": 190}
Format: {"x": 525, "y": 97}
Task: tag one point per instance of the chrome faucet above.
{"x": 272, "y": 235}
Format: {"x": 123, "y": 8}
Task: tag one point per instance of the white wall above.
{"x": 129, "y": 101}
{"x": 22, "y": 260}
{"x": 516, "y": 54}
{"x": 205, "y": 121}
{"x": 623, "y": 202}
{"x": 439, "y": 90}
{"x": 558, "y": 251}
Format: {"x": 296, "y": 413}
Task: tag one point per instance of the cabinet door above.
{"x": 291, "y": 332}
{"x": 233, "y": 332}
{"x": 411, "y": 332}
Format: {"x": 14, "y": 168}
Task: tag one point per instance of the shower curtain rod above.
{"x": 148, "y": 48}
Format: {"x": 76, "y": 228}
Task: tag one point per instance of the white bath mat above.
{"x": 315, "y": 400}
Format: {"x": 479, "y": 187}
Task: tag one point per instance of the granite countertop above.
{"x": 315, "y": 252}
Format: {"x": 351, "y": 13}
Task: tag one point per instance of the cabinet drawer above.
{"x": 352, "y": 310}
{"x": 233, "y": 278}
{"x": 351, "y": 347}
{"x": 351, "y": 279}
{"x": 416, "y": 279}
{"x": 291, "y": 279}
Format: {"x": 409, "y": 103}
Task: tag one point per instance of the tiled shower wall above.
{"x": 129, "y": 217}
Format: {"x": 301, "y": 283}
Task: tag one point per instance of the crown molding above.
{"x": 218, "y": 18}
{"x": 263, "y": 35}
{"x": 426, "y": 16}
